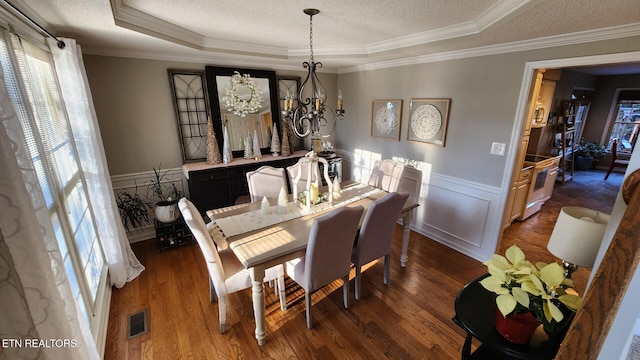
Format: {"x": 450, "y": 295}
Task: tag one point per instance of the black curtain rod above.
{"x": 60, "y": 43}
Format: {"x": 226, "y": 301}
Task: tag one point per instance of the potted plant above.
{"x": 587, "y": 152}
{"x": 167, "y": 197}
{"x": 523, "y": 289}
{"x": 133, "y": 210}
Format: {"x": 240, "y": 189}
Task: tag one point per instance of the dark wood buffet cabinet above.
{"x": 216, "y": 186}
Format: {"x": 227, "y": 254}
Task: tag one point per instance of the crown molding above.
{"x": 219, "y": 59}
{"x": 288, "y": 64}
{"x": 532, "y": 44}
{"x": 500, "y": 11}
{"x": 136, "y": 20}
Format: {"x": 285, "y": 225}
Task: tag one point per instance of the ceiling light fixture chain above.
{"x": 309, "y": 114}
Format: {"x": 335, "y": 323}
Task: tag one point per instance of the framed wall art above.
{"x": 428, "y": 120}
{"x": 386, "y": 118}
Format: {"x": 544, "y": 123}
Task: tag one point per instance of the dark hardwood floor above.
{"x": 408, "y": 319}
{"x": 587, "y": 189}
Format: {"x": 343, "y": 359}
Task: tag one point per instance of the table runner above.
{"x": 258, "y": 219}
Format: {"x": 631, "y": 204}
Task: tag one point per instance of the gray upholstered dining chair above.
{"x": 328, "y": 254}
{"x": 266, "y": 181}
{"x": 226, "y": 273}
{"x": 386, "y": 175}
{"x": 376, "y": 234}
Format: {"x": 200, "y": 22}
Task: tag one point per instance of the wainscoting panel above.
{"x": 460, "y": 214}
{"x": 139, "y": 183}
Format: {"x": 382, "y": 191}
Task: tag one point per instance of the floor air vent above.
{"x": 137, "y": 324}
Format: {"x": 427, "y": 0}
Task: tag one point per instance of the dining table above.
{"x": 264, "y": 234}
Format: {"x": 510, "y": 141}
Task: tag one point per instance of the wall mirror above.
{"x": 239, "y": 127}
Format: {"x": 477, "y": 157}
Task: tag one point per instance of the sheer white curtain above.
{"x": 123, "y": 265}
{"x": 36, "y": 300}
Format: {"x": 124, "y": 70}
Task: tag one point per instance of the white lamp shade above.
{"x": 577, "y": 235}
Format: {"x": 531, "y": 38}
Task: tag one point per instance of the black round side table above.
{"x": 475, "y": 314}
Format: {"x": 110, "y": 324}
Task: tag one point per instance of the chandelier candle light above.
{"x": 309, "y": 114}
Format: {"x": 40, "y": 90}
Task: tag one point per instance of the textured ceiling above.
{"x": 346, "y": 33}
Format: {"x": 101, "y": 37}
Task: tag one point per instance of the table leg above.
{"x": 466, "y": 349}
{"x": 257, "y": 279}
{"x": 406, "y": 229}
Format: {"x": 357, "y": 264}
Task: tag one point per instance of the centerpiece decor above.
{"x": 236, "y": 103}
{"x": 540, "y": 291}
{"x": 311, "y": 196}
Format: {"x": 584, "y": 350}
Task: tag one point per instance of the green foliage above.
{"x": 133, "y": 210}
{"x": 590, "y": 149}
{"x": 163, "y": 192}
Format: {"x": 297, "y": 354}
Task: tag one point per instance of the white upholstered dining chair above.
{"x": 266, "y": 181}
{"x": 386, "y": 175}
{"x": 292, "y": 172}
{"x": 376, "y": 234}
{"x": 226, "y": 274}
{"x": 328, "y": 254}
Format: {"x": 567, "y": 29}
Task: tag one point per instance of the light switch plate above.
{"x": 498, "y": 148}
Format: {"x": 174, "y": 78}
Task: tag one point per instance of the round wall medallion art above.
{"x": 426, "y": 121}
{"x": 386, "y": 119}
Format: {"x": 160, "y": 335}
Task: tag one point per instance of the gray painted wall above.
{"x": 135, "y": 110}
{"x": 133, "y": 105}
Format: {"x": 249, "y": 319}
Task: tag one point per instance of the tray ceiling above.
{"x": 351, "y": 33}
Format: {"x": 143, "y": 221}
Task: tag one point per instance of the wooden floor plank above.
{"x": 409, "y": 318}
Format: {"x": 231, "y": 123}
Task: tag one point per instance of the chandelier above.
{"x": 309, "y": 114}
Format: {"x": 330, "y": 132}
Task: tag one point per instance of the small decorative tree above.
{"x": 283, "y": 200}
{"x": 213, "y": 151}
{"x": 227, "y": 155}
{"x": 248, "y": 147}
{"x": 257, "y": 154}
{"x": 275, "y": 141}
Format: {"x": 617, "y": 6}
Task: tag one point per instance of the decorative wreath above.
{"x": 237, "y": 105}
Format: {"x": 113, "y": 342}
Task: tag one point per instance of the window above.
{"x": 626, "y": 125}
{"x": 36, "y": 99}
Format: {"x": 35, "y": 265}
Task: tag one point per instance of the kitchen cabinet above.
{"x": 516, "y": 185}
{"x": 520, "y": 191}
{"x": 541, "y": 107}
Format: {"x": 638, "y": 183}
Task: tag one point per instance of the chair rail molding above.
{"x": 458, "y": 213}
{"x": 139, "y": 183}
